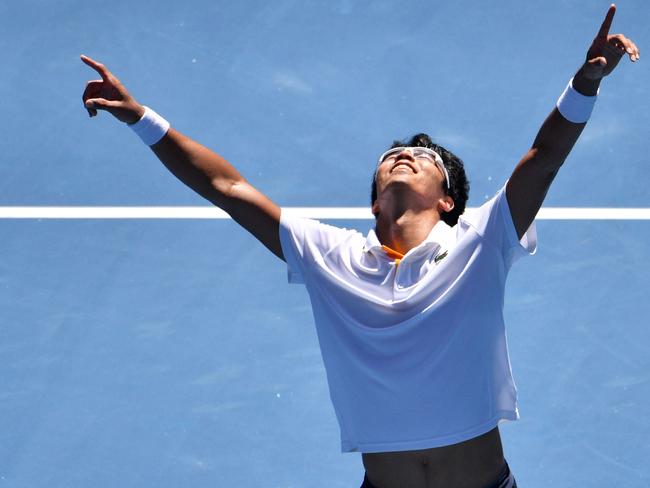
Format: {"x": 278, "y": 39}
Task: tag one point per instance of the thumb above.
{"x": 101, "y": 104}
{"x": 595, "y": 68}
{"x": 600, "y": 61}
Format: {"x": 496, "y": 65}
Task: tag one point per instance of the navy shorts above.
{"x": 506, "y": 480}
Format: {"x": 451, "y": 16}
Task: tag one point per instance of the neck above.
{"x": 405, "y": 230}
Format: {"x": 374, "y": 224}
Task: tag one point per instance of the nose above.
{"x": 405, "y": 152}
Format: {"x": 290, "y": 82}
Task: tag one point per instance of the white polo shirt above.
{"x": 415, "y": 354}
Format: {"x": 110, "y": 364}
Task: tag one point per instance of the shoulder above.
{"x": 303, "y": 231}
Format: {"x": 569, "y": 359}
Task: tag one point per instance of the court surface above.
{"x": 171, "y": 352}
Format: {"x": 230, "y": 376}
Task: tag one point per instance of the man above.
{"x": 409, "y": 318}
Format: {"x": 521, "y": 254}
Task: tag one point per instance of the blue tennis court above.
{"x": 171, "y": 352}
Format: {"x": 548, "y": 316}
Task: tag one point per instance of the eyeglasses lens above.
{"x": 417, "y": 152}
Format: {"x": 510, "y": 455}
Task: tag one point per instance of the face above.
{"x": 413, "y": 170}
{"x": 417, "y": 153}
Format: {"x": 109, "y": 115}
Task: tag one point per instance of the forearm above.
{"x": 557, "y": 135}
{"x": 201, "y": 169}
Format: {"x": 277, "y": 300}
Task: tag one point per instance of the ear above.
{"x": 445, "y": 204}
{"x": 375, "y": 208}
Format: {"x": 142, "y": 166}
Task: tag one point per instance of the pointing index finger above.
{"x": 100, "y": 68}
{"x": 607, "y": 23}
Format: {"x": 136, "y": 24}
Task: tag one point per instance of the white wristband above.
{"x": 151, "y": 127}
{"x": 574, "y": 106}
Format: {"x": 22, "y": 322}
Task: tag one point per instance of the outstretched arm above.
{"x": 204, "y": 171}
{"x": 535, "y": 172}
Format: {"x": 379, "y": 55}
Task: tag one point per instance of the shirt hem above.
{"x": 373, "y": 447}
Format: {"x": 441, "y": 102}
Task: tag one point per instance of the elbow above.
{"x": 231, "y": 188}
{"x": 547, "y": 159}
{"x": 225, "y": 191}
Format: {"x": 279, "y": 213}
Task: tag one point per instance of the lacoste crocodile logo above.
{"x": 440, "y": 257}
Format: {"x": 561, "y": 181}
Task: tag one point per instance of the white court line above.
{"x": 344, "y": 213}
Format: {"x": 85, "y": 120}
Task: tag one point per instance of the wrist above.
{"x": 575, "y": 106}
{"x": 585, "y": 86}
{"x": 138, "y": 114}
{"x": 151, "y": 127}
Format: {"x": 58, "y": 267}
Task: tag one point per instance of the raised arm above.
{"x": 204, "y": 171}
{"x": 535, "y": 172}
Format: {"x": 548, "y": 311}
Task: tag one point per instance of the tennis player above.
{"x": 410, "y": 316}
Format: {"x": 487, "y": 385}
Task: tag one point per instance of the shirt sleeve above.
{"x": 305, "y": 242}
{"x": 493, "y": 221}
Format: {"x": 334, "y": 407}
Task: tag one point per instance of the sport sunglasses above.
{"x": 418, "y": 153}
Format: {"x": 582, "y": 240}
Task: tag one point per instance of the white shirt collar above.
{"x": 438, "y": 236}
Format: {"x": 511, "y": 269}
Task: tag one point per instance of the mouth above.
{"x": 403, "y": 163}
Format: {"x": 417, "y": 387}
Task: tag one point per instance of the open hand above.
{"x": 110, "y": 95}
{"x": 607, "y": 50}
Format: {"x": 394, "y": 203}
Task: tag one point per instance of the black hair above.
{"x": 458, "y": 182}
